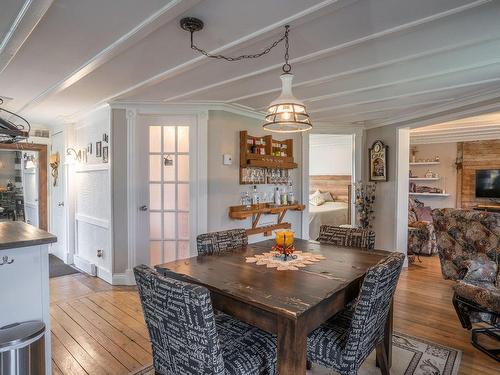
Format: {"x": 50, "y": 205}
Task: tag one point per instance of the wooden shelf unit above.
{"x": 267, "y": 160}
{"x": 257, "y": 210}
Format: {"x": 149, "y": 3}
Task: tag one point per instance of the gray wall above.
{"x": 385, "y": 200}
{"x": 7, "y": 167}
{"x": 224, "y": 189}
{"x": 119, "y": 186}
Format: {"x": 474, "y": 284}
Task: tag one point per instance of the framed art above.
{"x": 98, "y": 149}
{"x": 105, "y": 154}
{"x": 378, "y": 161}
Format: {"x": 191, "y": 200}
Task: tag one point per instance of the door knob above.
{"x": 61, "y": 204}
{"x": 143, "y": 208}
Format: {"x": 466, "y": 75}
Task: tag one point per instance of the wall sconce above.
{"x": 29, "y": 162}
{"x": 77, "y": 156}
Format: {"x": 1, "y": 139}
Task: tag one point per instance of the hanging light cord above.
{"x": 286, "y": 67}
{"x": 18, "y": 116}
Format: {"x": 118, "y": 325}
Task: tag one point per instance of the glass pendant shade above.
{"x": 287, "y": 114}
{"x": 30, "y": 164}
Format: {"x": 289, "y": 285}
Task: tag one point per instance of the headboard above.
{"x": 338, "y": 186}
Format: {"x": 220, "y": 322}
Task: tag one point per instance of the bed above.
{"x": 331, "y": 213}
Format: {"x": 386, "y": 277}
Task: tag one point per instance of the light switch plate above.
{"x": 227, "y": 159}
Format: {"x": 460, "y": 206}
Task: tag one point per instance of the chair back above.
{"x": 221, "y": 242}
{"x": 181, "y": 325}
{"x": 347, "y": 237}
{"x": 372, "y": 308}
{"x": 462, "y": 235}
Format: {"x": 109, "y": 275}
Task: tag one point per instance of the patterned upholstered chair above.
{"x": 221, "y": 242}
{"x": 347, "y": 237}
{"x": 344, "y": 341}
{"x": 421, "y": 236}
{"x": 187, "y": 338}
{"x": 469, "y": 250}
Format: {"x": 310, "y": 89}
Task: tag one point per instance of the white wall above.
{"x": 330, "y": 154}
{"x": 224, "y": 189}
{"x": 91, "y": 184}
{"x": 447, "y": 153}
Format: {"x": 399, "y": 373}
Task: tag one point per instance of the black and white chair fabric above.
{"x": 344, "y": 341}
{"x": 186, "y": 337}
{"x": 347, "y": 237}
{"x": 221, "y": 242}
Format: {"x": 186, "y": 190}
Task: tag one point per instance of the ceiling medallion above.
{"x": 285, "y": 114}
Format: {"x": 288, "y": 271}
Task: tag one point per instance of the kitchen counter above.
{"x": 14, "y": 234}
{"x": 24, "y": 277}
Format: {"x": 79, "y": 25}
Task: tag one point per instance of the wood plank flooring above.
{"x": 99, "y": 329}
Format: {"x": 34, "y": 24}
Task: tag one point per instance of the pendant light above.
{"x": 285, "y": 114}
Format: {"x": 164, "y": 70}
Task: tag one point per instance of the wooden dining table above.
{"x": 288, "y": 303}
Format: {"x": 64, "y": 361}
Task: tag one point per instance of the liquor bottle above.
{"x": 255, "y": 195}
{"x": 291, "y": 196}
{"x": 253, "y": 149}
{"x": 277, "y": 198}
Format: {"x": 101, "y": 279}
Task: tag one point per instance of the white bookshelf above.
{"x": 429, "y": 194}
{"x": 424, "y": 178}
{"x": 417, "y": 163}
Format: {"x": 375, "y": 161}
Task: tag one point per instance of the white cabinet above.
{"x": 24, "y": 289}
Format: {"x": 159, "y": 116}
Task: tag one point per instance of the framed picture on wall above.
{"x": 98, "y": 149}
{"x": 105, "y": 154}
{"x": 378, "y": 161}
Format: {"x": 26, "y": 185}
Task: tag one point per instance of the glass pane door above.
{"x": 169, "y": 193}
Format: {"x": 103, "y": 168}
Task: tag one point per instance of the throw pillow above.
{"x": 317, "y": 200}
{"x": 481, "y": 269}
{"x": 424, "y": 213}
{"x": 327, "y": 196}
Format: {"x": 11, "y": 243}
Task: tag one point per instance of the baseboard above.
{"x": 92, "y": 269}
{"x": 126, "y": 278}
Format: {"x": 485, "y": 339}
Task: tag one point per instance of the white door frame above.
{"x": 132, "y": 113}
{"x": 357, "y": 161}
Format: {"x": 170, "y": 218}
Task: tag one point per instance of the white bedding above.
{"x": 332, "y": 213}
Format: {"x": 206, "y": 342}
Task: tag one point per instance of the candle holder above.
{"x": 284, "y": 247}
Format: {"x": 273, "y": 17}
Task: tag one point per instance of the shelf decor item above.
{"x": 364, "y": 201}
{"x": 378, "y": 161}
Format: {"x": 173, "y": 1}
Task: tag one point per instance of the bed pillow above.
{"x": 315, "y": 194}
{"x": 327, "y": 196}
{"x": 317, "y": 200}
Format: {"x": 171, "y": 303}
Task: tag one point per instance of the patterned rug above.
{"x": 410, "y": 356}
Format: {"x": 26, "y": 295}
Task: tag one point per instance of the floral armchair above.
{"x": 421, "y": 236}
{"x": 469, "y": 251}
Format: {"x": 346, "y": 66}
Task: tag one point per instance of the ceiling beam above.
{"x": 25, "y": 22}
{"x": 165, "y": 14}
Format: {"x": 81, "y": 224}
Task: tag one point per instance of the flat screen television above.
{"x": 488, "y": 183}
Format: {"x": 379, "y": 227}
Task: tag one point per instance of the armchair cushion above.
{"x": 424, "y": 214}
{"x": 485, "y": 294}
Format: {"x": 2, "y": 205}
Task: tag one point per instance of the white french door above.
{"x": 30, "y": 188}
{"x": 168, "y": 193}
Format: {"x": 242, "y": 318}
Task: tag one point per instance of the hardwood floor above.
{"x": 99, "y": 329}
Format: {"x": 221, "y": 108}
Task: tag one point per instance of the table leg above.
{"x": 387, "y": 343}
{"x": 292, "y": 347}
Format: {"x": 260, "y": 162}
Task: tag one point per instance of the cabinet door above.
{"x": 21, "y": 285}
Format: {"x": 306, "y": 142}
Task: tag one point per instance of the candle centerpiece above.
{"x": 284, "y": 247}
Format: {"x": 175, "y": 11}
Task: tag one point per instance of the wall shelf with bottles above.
{"x": 255, "y": 211}
{"x": 264, "y": 160}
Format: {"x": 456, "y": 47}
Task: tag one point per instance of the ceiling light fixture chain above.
{"x": 285, "y": 114}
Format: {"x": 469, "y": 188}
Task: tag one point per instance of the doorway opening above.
{"x": 331, "y": 177}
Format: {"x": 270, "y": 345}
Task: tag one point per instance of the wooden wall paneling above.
{"x": 42, "y": 177}
{"x": 338, "y": 186}
{"x": 477, "y": 155}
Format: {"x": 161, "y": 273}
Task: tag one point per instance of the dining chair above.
{"x": 347, "y": 237}
{"x": 221, "y": 242}
{"x": 344, "y": 341}
{"x": 186, "y": 337}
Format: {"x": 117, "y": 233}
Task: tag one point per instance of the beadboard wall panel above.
{"x": 476, "y": 155}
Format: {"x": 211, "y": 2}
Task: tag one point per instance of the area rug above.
{"x": 410, "y": 356}
{"x": 58, "y": 268}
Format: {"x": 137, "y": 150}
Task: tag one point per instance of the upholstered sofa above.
{"x": 468, "y": 244}
{"x": 421, "y": 236}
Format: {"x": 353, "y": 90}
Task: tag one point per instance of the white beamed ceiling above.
{"x": 365, "y": 62}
